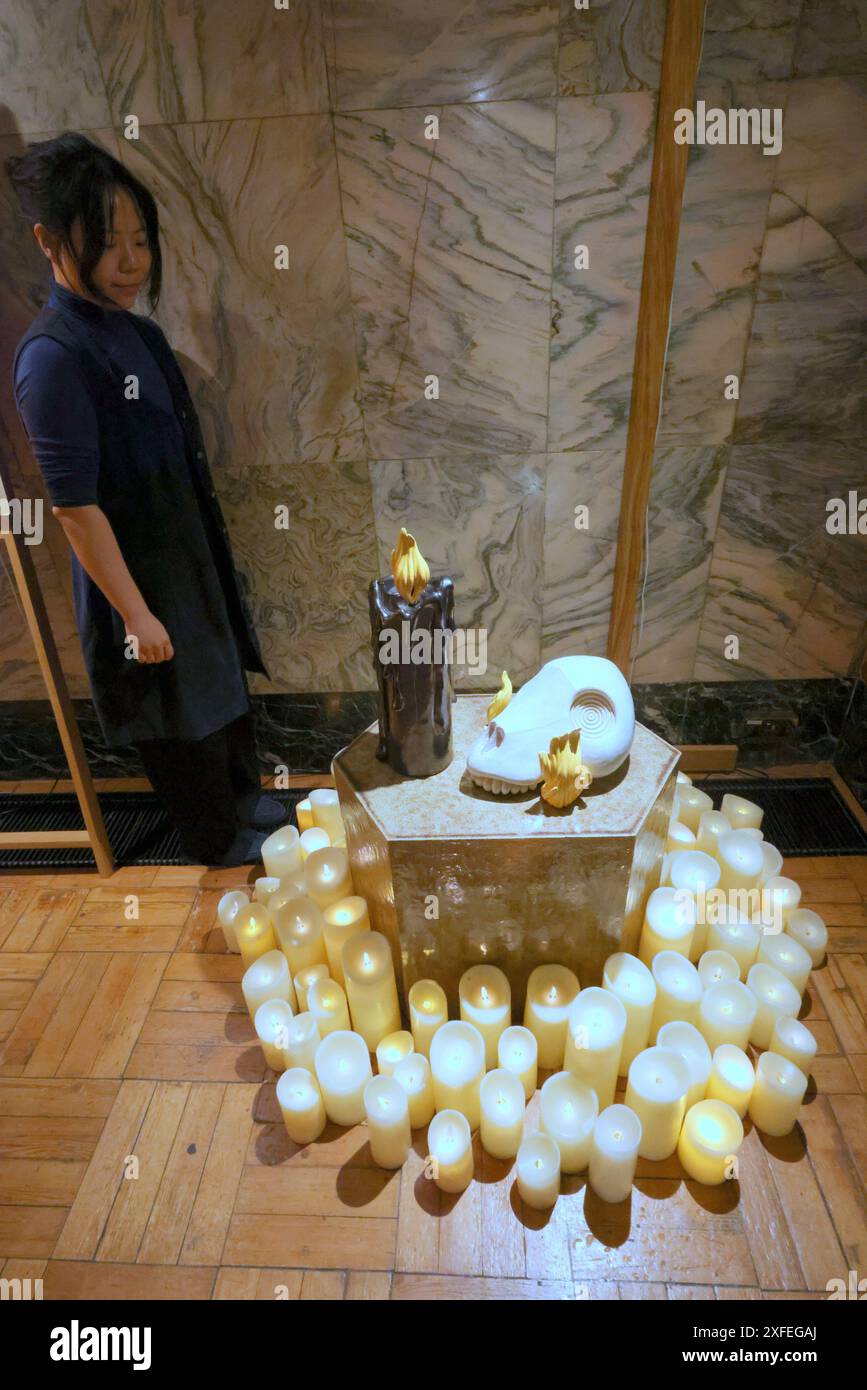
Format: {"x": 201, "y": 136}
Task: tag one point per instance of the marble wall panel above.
{"x": 610, "y": 46}
{"x": 50, "y": 78}
{"x": 832, "y": 38}
{"x": 579, "y": 559}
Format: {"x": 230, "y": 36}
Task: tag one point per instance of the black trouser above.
{"x": 208, "y": 786}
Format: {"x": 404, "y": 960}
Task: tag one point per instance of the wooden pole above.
{"x": 680, "y": 58}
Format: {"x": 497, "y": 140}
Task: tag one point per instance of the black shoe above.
{"x": 263, "y": 812}
{"x": 246, "y": 848}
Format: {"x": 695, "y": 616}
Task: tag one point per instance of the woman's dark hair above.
{"x": 69, "y": 177}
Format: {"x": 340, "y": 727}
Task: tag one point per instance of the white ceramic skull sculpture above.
{"x": 573, "y": 692}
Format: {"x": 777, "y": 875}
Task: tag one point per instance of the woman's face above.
{"x": 126, "y": 261}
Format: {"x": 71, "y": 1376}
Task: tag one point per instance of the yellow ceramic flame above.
{"x": 565, "y": 776}
{"x": 409, "y": 569}
{"x": 502, "y": 697}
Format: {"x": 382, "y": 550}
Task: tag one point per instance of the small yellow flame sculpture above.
{"x": 502, "y": 697}
{"x": 409, "y": 568}
{"x": 565, "y": 776}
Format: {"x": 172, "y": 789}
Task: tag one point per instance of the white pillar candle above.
{"x": 457, "y": 1063}
{"x": 732, "y": 1077}
{"x": 629, "y": 978}
{"x": 777, "y": 1094}
{"x": 711, "y": 1136}
{"x": 301, "y": 1105}
{"x": 656, "y": 1091}
{"x": 807, "y": 928}
{"x": 679, "y": 837}
{"x": 741, "y": 861}
{"x": 302, "y": 1040}
{"x": 537, "y": 1172}
{"x": 428, "y": 1011}
{"x": 414, "y": 1075}
{"x": 502, "y": 1113}
{"x": 271, "y": 1022}
{"x": 304, "y": 814}
{"x": 711, "y": 825}
{"x": 726, "y": 1014}
{"x": 697, "y": 874}
{"x": 371, "y": 988}
{"x": 325, "y": 806}
{"x": 594, "y": 1041}
{"x": 568, "y": 1109}
{"x": 291, "y": 886}
{"x": 387, "y": 1110}
{"x": 518, "y": 1052}
{"x": 741, "y": 813}
{"x": 450, "y": 1146}
{"x": 327, "y": 876}
{"x": 788, "y": 956}
{"x": 752, "y": 830}
{"x": 669, "y": 924}
{"x": 785, "y": 892}
{"x": 299, "y": 925}
{"x": 341, "y": 921}
{"x": 772, "y": 862}
{"x": 311, "y": 840}
{"x": 693, "y": 804}
{"x": 776, "y": 997}
{"x": 267, "y": 978}
{"x": 791, "y": 1039}
{"x": 254, "y": 932}
{"x": 227, "y": 910}
{"x": 688, "y": 1042}
{"x": 281, "y": 852}
{"x": 550, "y": 992}
{"x": 614, "y": 1153}
{"x": 304, "y": 979}
{"x": 678, "y": 990}
{"x": 264, "y": 888}
{"x": 486, "y": 1000}
{"x": 326, "y": 1001}
{"x": 393, "y": 1048}
{"x": 715, "y": 967}
{"x": 682, "y": 780}
{"x": 343, "y": 1070}
{"x": 738, "y": 938}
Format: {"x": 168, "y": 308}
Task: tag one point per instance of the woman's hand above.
{"x": 154, "y": 643}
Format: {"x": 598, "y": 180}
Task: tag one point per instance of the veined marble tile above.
{"x": 449, "y": 246}
{"x": 612, "y": 46}
{"x": 481, "y": 521}
{"x": 832, "y": 37}
{"x": 816, "y": 241}
{"x": 749, "y": 40}
{"x": 307, "y": 583}
{"x": 271, "y": 352}
{"x": 206, "y": 60}
{"x": 402, "y": 53}
{"x": 604, "y": 155}
{"x": 49, "y": 73}
{"x": 579, "y": 562}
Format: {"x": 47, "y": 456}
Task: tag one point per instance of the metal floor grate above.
{"x": 803, "y": 815}
{"x": 138, "y": 828}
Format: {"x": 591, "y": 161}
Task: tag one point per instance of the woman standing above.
{"x": 164, "y": 626}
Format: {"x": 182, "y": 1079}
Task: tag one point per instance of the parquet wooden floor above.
{"x": 125, "y": 1046}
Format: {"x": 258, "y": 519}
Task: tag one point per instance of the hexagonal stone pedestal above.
{"x": 454, "y": 876}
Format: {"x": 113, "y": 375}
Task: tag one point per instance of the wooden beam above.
{"x": 44, "y": 839}
{"x": 708, "y": 757}
{"x": 680, "y": 58}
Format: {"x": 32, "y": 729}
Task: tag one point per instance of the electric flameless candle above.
{"x": 568, "y": 1109}
{"x": 807, "y": 928}
{"x": 301, "y": 1105}
{"x": 678, "y": 990}
{"x": 299, "y": 924}
{"x": 776, "y": 997}
{"x": 784, "y": 892}
{"x": 614, "y": 1153}
{"x": 688, "y": 1042}
{"x": 682, "y": 780}
{"x": 669, "y": 924}
{"x": 264, "y": 888}
{"x": 343, "y": 1070}
{"x": 715, "y": 967}
{"x": 550, "y": 992}
{"x": 304, "y": 815}
{"x": 311, "y": 840}
{"x": 371, "y": 987}
{"x": 594, "y": 1042}
{"x": 791, "y": 1039}
{"x": 693, "y": 803}
{"x": 741, "y": 813}
{"x": 740, "y": 859}
{"x": 502, "y": 1108}
{"x": 414, "y": 1075}
{"x": 726, "y": 1014}
{"x": 327, "y": 876}
{"x": 450, "y": 1146}
{"x": 387, "y": 1110}
{"x": 325, "y": 806}
{"x": 537, "y": 1172}
{"x": 326, "y": 1001}
{"x": 656, "y": 1091}
{"x": 291, "y": 886}
{"x": 272, "y": 1029}
{"x": 302, "y": 1040}
{"x": 254, "y": 932}
{"x": 773, "y": 862}
{"x": 679, "y": 837}
{"x": 788, "y": 956}
{"x": 518, "y": 1052}
{"x": 732, "y": 1077}
{"x": 710, "y": 827}
{"x": 629, "y": 978}
{"x": 777, "y": 1094}
{"x": 428, "y": 1011}
{"x": 711, "y": 1136}
{"x": 486, "y": 1000}
{"x": 693, "y": 872}
{"x": 392, "y": 1050}
{"x": 281, "y": 852}
{"x": 304, "y": 979}
{"x": 737, "y": 937}
{"x": 227, "y": 910}
{"x": 343, "y": 920}
{"x": 457, "y": 1063}
{"x": 267, "y": 978}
